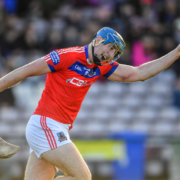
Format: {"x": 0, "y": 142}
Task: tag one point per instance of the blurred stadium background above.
{"x": 151, "y": 28}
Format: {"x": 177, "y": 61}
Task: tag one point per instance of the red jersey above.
{"x": 68, "y": 83}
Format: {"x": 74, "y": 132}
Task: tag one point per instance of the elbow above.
{"x": 134, "y": 76}
{"x": 28, "y": 71}
{"x": 142, "y": 80}
{"x": 140, "y": 76}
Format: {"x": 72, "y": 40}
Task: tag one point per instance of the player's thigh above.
{"x": 39, "y": 169}
{"x": 69, "y": 160}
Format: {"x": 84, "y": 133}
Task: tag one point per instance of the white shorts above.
{"x": 44, "y": 134}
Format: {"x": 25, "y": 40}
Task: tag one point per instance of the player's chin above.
{"x": 102, "y": 59}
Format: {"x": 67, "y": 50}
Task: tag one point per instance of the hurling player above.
{"x": 71, "y": 72}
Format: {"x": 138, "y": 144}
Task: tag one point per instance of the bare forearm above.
{"x": 36, "y": 68}
{"x": 11, "y": 79}
{"x": 152, "y": 68}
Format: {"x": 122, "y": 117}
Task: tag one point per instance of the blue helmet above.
{"x": 109, "y": 36}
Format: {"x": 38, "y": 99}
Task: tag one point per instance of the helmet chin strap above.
{"x": 96, "y": 60}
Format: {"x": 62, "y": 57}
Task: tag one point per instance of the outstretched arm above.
{"x": 125, "y": 73}
{"x": 35, "y": 68}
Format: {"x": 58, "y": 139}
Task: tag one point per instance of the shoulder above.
{"x": 109, "y": 66}
{"x": 71, "y": 50}
{"x": 107, "y": 70}
{"x": 63, "y": 58}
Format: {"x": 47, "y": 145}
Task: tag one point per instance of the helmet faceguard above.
{"x": 108, "y": 35}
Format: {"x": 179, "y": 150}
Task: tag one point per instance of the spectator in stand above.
{"x": 143, "y": 51}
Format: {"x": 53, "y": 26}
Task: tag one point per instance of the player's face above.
{"x": 106, "y": 52}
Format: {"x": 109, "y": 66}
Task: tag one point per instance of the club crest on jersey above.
{"x": 55, "y": 57}
{"x": 89, "y": 72}
{"x": 81, "y": 69}
{"x": 61, "y": 136}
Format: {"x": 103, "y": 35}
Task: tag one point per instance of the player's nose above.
{"x": 112, "y": 53}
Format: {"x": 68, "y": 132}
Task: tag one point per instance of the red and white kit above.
{"x": 65, "y": 89}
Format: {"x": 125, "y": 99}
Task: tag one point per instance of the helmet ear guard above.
{"x": 108, "y": 35}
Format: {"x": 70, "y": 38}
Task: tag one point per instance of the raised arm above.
{"x": 125, "y": 73}
{"x": 36, "y": 68}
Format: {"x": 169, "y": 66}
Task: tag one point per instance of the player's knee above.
{"x": 84, "y": 175}
{"x": 88, "y": 176}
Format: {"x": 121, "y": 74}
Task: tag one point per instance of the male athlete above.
{"x": 71, "y": 72}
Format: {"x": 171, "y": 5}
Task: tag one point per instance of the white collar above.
{"x": 90, "y": 63}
